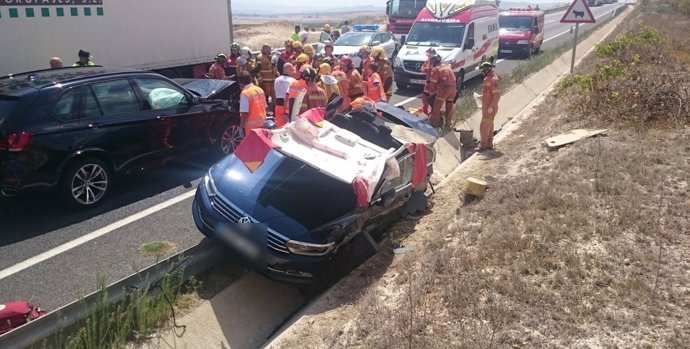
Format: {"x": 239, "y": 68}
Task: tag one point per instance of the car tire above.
{"x": 530, "y": 48}
{"x": 538, "y": 49}
{"x": 86, "y": 182}
{"x": 460, "y": 80}
{"x": 229, "y": 138}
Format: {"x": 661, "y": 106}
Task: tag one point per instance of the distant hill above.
{"x": 250, "y": 9}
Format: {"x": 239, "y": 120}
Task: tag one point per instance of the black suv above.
{"x": 73, "y": 129}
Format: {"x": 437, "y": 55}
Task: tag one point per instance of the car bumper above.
{"x": 404, "y": 77}
{"x": 276, "y": 263}
{"x": 505, "y": 47}
{"x": 17, "y": 176}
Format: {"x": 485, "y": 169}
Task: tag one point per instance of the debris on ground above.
{"x": 572, "y": 137}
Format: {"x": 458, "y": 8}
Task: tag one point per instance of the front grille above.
{"x": 413, "y": 66}
{"x": 275, "y": 240}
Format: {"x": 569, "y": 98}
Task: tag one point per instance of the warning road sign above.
{"x": 578, "y": 12}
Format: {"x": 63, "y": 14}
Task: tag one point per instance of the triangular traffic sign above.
{"x": 578, "y": 12}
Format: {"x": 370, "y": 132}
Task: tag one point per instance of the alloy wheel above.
{"x": 231, "y": 138}
{"x": 89, "y": 184}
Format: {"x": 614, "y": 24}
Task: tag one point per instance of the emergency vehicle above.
{"x": 521, "y": 31}
{"x": 463, "y": 33}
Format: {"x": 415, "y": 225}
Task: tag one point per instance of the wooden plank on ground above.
{"x": 572, "y": 136}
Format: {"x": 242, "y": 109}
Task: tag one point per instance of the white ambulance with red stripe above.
{"x": 463, "y": 33}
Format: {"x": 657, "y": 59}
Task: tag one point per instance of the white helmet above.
{"x": 246, "y": 52}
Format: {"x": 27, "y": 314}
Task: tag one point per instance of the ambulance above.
{"x": 463, "y": 33}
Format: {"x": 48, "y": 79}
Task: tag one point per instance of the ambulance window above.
{"x": 469, "y": 41}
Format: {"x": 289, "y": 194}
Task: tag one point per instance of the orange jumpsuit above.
{"x": 294, "y": 90}
{"x": 386, "y": 73}
{"x": 426, "y": 69}
{"x": 443, "y": 82}
{"x": 217, "y": 71}
{"x": 375, "y": 89}
{"x": 490, "y": 96}
{"x": 351, "y": 87}
{"x": 366, "y": 70}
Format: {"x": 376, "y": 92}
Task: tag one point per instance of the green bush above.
{"x": 646, "y": 36}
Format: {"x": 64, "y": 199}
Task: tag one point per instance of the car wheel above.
{"x": 530, "y": 48}
{"x": 538, "y": 49}
{"x": 86, "y": 182}
{"x": 460, "y": 80}
{"x": 230, "y": 137}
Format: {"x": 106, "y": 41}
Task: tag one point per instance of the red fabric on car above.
{"x": 17, "y": 313}
{"x": 420, "y": 163}
{"x": 360, "y": 186}
{"x": 254, "y": 147}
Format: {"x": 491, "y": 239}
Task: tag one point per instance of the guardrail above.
{"x": 194, "y": 260}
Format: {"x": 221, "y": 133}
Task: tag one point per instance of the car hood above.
{"x": 206, "y": 88}
{"x": 513, "y": 34}
{"x": 270, "y": 195}
{"x": 402, "y": 117}
{"x": 345, "y": 50}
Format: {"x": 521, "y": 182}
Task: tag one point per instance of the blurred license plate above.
{"x": 507, "y": 51}
{"x": 417, "y": 81}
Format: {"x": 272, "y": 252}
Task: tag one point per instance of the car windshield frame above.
{"x": 422, "y": 32}
{"x": 510, "y": 22}
{"x": 343, "y": 40}
{"x": 406, "y": 8}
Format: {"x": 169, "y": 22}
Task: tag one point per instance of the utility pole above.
{"x": 232, "y": 39}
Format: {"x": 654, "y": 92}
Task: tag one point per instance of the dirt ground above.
{"x": 582, "y": 247}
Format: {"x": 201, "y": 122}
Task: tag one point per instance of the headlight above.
{"x": 307, "y": 249}
{"x": 523, "y": 42}
{"x": 210, "y": 186}
{"x": 398, "y": 62}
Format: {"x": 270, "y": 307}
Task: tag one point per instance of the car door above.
{"x": 113, "y": 110}
{"x": 177, "y": 121}
{"x": 388, "y": 44}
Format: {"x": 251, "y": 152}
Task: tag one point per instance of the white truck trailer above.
{"x": 177, "y": 38}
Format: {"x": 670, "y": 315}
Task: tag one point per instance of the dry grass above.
{"x": 577, "y": 248}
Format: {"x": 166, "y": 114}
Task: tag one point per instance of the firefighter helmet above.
{"x": 435, "y": 59}
{"x": 346, "y": 61}
{"x": 302, "y": 58}
{"x": 308, "y": 49}
{"x": 297, "y": 45}
{"x": 235, "y": 47}
{"x": 365, "y": 49}
{"x": 310, "y": 74}
{"x": 378, "y": 53}
{"x": 221, "y": 56}
{"x": 486, "y": 65}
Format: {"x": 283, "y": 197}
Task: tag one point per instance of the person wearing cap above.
{"x": 246, "y": 63}
{"x": 316, "y": 96}
{"x": 295, "y": 88}
{"x": 443, "y": 82}
{"x": 365, "y": 53}
{"x": 491, "y": 94}
{"x": 426, "y": 68}
{"x": 252, "y": 104}
{"x": 281, "y": 86}
{"x": 55, "y": 63}
{"x": 267, "y": 73}
{"x": 217, "y": 69}
{"x": 300, "y": 60}
{"x": 352, "y": 86}
{"x": 311, "y": 53}
{"x": 328, "y": 82}
{"x": 84, "y": 59}
{"x": 385, "y": 70}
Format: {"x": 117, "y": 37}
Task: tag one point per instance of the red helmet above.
{"x": 346, "y": 61}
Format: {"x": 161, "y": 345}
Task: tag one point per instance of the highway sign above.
{"x": 578, "y": 12}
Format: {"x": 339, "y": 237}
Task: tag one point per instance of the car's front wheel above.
{"x": 86, "y": 182}
{"x": 230, "y": 137}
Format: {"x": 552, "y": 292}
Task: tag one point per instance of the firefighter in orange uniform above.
{"x": 295, "y": 88}
{"x": 217, "y": 69}
{"x": 490, "y": 96}
{"x": 267, "y": 74}
{"x": 443, "y": 82}
{"x": 426, "y": 69}
{"x": 365, "y": 53}
{"x": 316, "y": 96}
{"x": 352, "y": 86}
{"x": 385, "y": 70}
{"x": 375, "y": 89}
{"x": 252, "y": 104}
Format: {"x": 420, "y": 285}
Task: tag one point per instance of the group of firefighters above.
{"x": 271, "y": 84}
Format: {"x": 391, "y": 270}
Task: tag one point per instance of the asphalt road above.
{"x": 51, "y": 255}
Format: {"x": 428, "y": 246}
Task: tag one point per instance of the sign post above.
{"x": 577, "y": 13}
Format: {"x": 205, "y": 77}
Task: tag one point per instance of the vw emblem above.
{"x": 244, "y": 219}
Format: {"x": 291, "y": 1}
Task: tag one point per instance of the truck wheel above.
{"x": 229, "y": 138}
{"x": 529, "y": 51}
{"x": 538, "y": 49}
{"x": 86, "y": 182}
{"x": 460, "y": 80}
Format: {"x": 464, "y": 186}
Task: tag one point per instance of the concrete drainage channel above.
{"x": 248, "y": 313}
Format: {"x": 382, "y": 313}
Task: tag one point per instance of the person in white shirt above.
{"x": 281, "y": 86}
{"x": 304, "y": 35}
{"x": 345, "y": 28}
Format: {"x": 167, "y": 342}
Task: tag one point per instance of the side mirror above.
{"x": 402, "y": 40}
{"x": 376, "y": 43}
{"x": 535, "y": 30}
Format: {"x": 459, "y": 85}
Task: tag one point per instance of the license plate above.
{"x": 507, "y": 51}
{"x": 417, "y": 81}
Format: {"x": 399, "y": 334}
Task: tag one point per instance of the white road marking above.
{"x": 93, "y": 235}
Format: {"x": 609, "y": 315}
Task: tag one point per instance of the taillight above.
{"x": 16, "y": 141}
